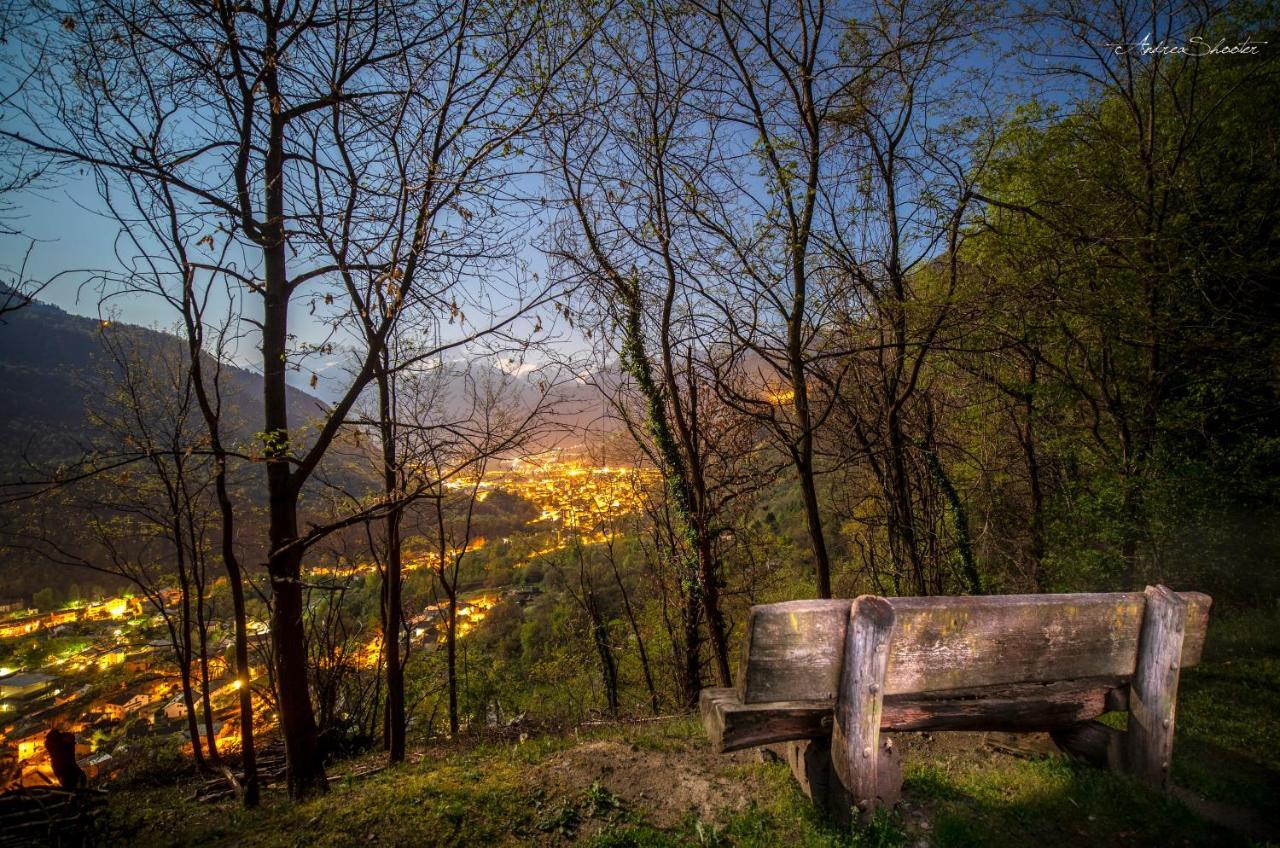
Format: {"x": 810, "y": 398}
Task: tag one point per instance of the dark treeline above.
{"x": 904, "y": 297}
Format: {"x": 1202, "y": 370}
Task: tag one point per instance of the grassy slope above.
{"x": 586, "y": 789}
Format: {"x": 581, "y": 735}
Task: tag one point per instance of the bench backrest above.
{"x": 794, "y": 650}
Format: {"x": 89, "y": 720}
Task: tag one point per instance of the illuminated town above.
{"x": 106, "y": 670}
{"x": 573, "y": 497}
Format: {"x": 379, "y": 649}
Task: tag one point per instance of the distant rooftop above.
{"x": 26, "y": 679}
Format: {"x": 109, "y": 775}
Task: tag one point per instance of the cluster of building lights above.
{"x": 573, "y": 498}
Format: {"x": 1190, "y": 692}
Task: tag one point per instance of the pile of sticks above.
{"x": 49, "y": 815}
{"x": 271, "y": 769}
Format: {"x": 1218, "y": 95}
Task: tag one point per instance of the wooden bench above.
{"x": 820, "y": 680}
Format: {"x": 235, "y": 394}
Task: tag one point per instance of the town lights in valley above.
{"x": 570, "y": 498}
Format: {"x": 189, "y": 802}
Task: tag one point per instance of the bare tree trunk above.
{"x": 902, "y": 520}
{"x": 230, "y": 559}
{"x": 451, "y": 620}
{"x": 202, "y": 631}
{"x": 391, "y": 610}
{"x": 635, "y": 630}
{"x": 600, "y": 636}
{"x": 182, "y": 651}
{"x": 451, "y": 659}
{"x": 1027, "y": 437}
{"x": 802, "y": 453}
{"x": 710, "y": 579}
{"x": 636, "y": 361}
{"x": 289, "y": 637}
{"x": 599, "y": 630}
{"x": 608, "y": 665}
{"x": 297, "y": 719}
{"x": 691, "y": 676}
{"x": 813, "y": 515}
{"x": 391, "y": 640}
{"x": 236, "y": 581}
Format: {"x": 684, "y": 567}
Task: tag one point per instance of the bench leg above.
{"x": 1153, "y": 694}
{"x": 856, "y": 754}
{"x": 1093, "y": 742}
{"x": 810, "y": 763}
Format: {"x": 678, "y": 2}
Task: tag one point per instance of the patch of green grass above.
{"x": 453, "y": 803}
{"x": 1227, "y": 745}
{"x": 1051, "y": 801}
{"x": 665, "y": 737}
{"x": 636, "y": 836}
{"x": 1237, "y": 633}
{"x": 1117, "y": 720}
{"x": 533, "y": 750}
{"x": 784, "y": 816}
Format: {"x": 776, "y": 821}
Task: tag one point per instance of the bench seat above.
{"x": 732, "y": 725}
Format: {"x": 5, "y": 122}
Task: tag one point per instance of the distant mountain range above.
{"x": 52, "y": 367}
{"x": 53, "y": 364}
{"x": 55, "y": 367}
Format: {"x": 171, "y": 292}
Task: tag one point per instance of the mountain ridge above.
{"x": 50, "y": 365}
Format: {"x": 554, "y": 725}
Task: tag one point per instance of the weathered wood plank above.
{"x": 1153, "y": 692}
{"x": 888, "y": 773}
{"x": 855, "y": 737}
{"x": 793, "y": 650}
{"x": 732, "y": 725}
{"x": 942, "y": 644}
{"x": 1008, "y": 707}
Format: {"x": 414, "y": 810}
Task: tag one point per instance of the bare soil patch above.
{"x": 666, "y": 785}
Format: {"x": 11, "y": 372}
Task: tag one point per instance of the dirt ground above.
{"x": 668, "y": 785}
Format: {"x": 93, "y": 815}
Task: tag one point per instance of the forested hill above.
{"x": 55, "y": 366}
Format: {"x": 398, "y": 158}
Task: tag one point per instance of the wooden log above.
{"x": 888, "y": 773}
{"x": 793, "y": 650}
{"x": 1009, "y": 707}
{"x": 855, "y": 737}
{"x": 810, "y": 763}
{"x": 1153, "y": 694}
{"x": 732, "y": 725}
{"x": 1093, "y": 742}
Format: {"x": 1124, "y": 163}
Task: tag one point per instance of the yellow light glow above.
{"x": 779, "y": 396}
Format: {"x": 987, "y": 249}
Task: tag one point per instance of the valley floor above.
{"x": 656, "y": 783}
